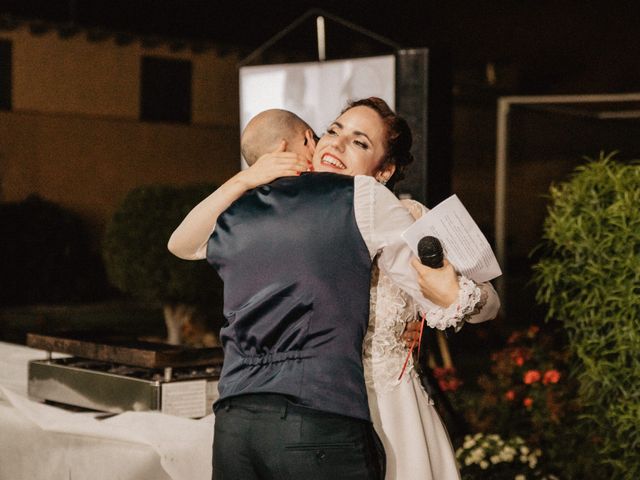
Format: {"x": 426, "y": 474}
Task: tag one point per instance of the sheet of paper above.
{"x": 464, "y": 244}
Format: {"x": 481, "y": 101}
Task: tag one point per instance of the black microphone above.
{"x": 430, "y": 252}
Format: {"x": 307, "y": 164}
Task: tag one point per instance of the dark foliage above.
{"x": 45, "y": 255}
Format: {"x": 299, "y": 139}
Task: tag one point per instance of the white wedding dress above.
{"x": 415, "y": 440}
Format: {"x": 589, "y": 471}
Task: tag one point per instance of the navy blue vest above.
{"x": 296, "y": 275}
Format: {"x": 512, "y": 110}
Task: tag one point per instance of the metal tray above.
{"x": 127, "y": 351}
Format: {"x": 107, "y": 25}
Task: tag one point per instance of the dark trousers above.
{"x": 266, "y": 437}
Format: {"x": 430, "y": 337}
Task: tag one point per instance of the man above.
{"x": 265, "y": 132}
{"x": 295, "y": 257}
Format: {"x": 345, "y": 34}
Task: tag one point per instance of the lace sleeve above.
{"x": 488, "y": 306}
{"x": 456, "y": 314}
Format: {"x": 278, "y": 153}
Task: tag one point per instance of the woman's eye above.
{"x": 331, "y": 131}
{"x": 361, "y": 144}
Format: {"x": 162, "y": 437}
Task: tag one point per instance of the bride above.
{"x": 368, "y": 138}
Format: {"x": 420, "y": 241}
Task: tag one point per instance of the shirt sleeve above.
{"x": 382, "y": 219}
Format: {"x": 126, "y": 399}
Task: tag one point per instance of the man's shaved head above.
{"x": 266, "y": 130}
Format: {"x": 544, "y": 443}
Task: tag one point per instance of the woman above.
{"x": 369, "y": 139}
{"x": 416, "y": 443}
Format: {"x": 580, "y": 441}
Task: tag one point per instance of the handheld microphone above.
{"x": 430, "y": 252}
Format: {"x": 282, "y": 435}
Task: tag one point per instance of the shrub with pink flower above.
{"x": 525, "y": 387}
{"x": 447, "y": 378}
{"x": 527, "y": 392}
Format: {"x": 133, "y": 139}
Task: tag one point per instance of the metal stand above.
{"x": 552, "y": 103}
{"x": 320, "y": 15}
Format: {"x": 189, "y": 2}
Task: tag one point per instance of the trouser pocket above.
{"x": 327, "y": 447}
{"x": 327, "y": 461}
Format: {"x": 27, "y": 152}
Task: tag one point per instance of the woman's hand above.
{"x": 439, "y": 285}
{"x": 276, "y": 164}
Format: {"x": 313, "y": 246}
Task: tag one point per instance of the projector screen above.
{"x": 317, "y": 91}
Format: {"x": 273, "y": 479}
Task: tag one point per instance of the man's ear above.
{"x": 310, "y": 140}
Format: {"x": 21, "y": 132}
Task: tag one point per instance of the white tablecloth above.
{"x": 39, "y": 441}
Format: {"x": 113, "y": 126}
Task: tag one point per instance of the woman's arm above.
{"x": 438, "y": 285}
{"x": 189, "y": 240}
{"x": 443, "y": 285}
{"x": 488, "y": 306}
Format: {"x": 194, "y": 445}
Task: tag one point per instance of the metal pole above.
{"x": 502, "y": 151}
{"x": 321, "y": 39}
{"x": 591, "y": 98}
{"x": 296, "y": 23}
{"x": 502, "y": 134}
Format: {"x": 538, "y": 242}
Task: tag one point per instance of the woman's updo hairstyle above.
{"x": 399, "y": 138}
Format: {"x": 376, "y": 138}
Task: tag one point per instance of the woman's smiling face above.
{"x": 353, "y": 145}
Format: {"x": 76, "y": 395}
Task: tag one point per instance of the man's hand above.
{"x": 411, "y": 333}
{"x": 440, "y": 285}
{"x": 276, "y": 164}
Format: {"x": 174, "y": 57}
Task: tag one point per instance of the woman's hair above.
{"x": 399, "y": 139}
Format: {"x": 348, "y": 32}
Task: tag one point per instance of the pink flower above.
{"x": 510, "y": 395}
{"x": 447, "y": 378}
{"x": 531, "y": 376}
{"x": 520, "y": 355}
{"x": 527, "y": 402}
{"x": 440, "y": 372}
{"x": 551, "y": 376}
{"x": 449, "y": 385}
{"x": 513, "y": 338}
{"x": 533, "y": 331}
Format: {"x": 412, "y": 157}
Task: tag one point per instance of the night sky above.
{"x": 594, "y": 42}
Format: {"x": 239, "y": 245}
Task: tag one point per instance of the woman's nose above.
{"x": 338, "y": 143}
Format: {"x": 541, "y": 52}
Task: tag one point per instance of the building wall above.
{"x": 74, "y": 135}
{"x": 89, "y": 165}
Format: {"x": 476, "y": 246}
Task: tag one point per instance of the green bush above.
{"x": 589, "y": 276}
{"x": 137, "y": 259}
{"x": 46, "y": 256}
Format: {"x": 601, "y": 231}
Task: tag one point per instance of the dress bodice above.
{"x": 390, "y": 308}
{"x": 384, "y": 351}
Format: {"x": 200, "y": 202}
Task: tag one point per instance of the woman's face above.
{"x": 353, "y": 145}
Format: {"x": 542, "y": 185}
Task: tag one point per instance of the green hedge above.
{"x": 589, "y": 276}
{"x": 135, "y": 248}
{"x": 46, "y": 256}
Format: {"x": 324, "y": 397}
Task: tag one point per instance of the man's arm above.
{"x": 189, "y": 240}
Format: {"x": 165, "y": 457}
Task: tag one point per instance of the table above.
{"x": 40, "y": 441}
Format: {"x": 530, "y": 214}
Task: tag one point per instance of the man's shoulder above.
{"x": 311, "y": 180}
{"x": 327, "y": 177}
{"x": 292, "y": 189}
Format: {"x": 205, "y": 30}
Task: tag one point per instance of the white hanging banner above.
{"x": 315, "y": 91}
